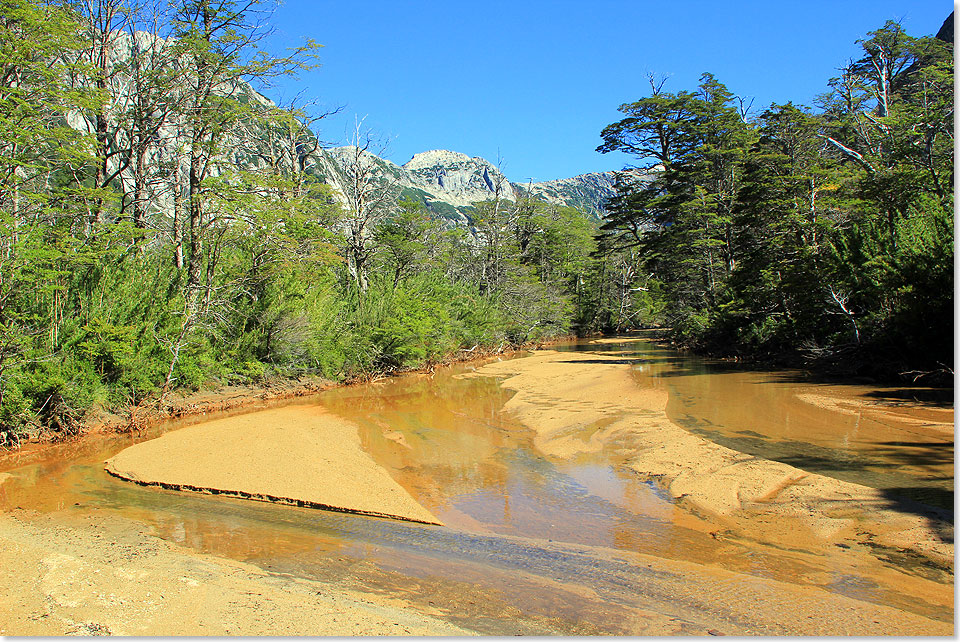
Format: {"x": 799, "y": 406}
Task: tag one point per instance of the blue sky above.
{"x": 536, "y": 81}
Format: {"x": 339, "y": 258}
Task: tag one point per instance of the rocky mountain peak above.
{"x": 455, "y": 178}
{"x": 435, "y": 157}
{"x": 451, "y": 183}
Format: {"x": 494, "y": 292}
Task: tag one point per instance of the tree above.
{"x": 289, "y": 148}
{"x": 371, "y": 195}
{"x": 785, "y": 214}
{"x": 104, "y": 22}
{"x": 219, "y": 40}
{"x": 680, "y": 212}
{"x": 39, "y": 153}
{"x": 494, "y": 222}
{"x": 891, "y": 119}
{"x": 149, "y": 110}
{"x": 891, "y": 116}
{"x": 409, "y": 239}
{"x": 826, "y": 235}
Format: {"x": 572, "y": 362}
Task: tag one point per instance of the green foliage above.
{"x": 823, "y": 235}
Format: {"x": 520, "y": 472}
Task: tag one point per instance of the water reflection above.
{"x": 506, "y": 505}
{"x": 446, "y": 440}
{"x": 896, "y": 439}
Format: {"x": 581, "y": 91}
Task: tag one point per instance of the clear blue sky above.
{"x": 536, "y": 81}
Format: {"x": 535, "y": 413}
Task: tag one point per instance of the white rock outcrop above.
{"x": 456, "y": 178}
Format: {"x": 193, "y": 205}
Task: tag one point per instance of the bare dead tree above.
{"x": 841, "y": 299}
{"x": 292, "y": 147}
{"x": 495, "y": 223}
{"x": 370, "y": 197}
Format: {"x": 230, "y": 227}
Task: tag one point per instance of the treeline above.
{"x": 162, "y": 227}
{"x": 807, "y": 235}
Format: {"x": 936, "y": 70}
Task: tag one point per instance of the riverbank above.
{"x": 180, "y": 404}
{"x": 872, "y": 363}
{"x": 101, "y": 575}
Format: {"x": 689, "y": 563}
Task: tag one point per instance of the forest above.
{"x": 161, "y": 229}
{"x": 802, "y": 235}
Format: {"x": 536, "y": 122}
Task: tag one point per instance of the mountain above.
{"x": 449, "y": 183}
{"x": 586, "y": 192}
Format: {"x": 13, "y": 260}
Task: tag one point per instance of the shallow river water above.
{"x": 540, "y": 546}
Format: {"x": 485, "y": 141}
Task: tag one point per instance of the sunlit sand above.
{"x": 295, "y": 454}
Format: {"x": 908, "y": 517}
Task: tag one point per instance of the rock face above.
{"x": 587, "y": 192}
{"x": 450, "y": 183}
{"x": 456, "y": 178}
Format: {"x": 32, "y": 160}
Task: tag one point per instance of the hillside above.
{"x": 449, "y": 183}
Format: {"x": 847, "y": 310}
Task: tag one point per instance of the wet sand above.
{"x": 587, "y": 402}
{"x": 94, "y": 573}
{"x": 99, "y": 575}
{"x": 298, "y": 454}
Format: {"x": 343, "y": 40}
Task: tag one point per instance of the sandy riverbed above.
{"x": 582, "y": 401}
{"x": 297, "y": 454}
{"x": 92, "y": 573}
{"x": 97, "y": 575}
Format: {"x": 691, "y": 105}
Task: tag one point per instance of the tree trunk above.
{"x": 177, "y": 220}
{"x": 139, "y": 188}
{"x": 196, "y": 222}
{"x": 101, "y": 172}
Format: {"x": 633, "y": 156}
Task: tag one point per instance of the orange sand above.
{"x": 297, "y": 454}
{"x": 101, "y": 575}
{"x": 581, "y": 401}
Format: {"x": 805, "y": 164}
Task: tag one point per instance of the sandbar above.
{"x": 296, "y": 454}
{"x": 588, "y": 402}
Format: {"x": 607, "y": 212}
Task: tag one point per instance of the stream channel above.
{"x": 539, "y": 546}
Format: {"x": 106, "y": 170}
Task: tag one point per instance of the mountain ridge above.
{"x": 451, "y": 183}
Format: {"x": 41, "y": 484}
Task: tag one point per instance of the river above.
{"x": 538, "y": 544}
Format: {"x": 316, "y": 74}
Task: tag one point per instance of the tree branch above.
{"x": 851, "y": 154}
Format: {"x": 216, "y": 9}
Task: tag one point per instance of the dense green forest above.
{"x": 807, "y": 236}
{"x": 827, "y": 235}
{"x": 253, "y": 271}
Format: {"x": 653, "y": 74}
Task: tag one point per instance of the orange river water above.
{"x": 539, "y": 545}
